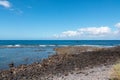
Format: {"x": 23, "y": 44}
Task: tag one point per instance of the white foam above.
{"x": 42, "y": 45}
{"x": 9, "y": 46}
{"x": 52, "y": 45}
{"x": 17, "y": 45}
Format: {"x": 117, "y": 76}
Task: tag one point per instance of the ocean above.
{"x": 29, "y": 51}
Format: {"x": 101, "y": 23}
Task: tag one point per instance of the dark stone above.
{"x": 11, "y": 65}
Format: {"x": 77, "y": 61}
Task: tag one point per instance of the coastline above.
{"x": 69, "y": 60}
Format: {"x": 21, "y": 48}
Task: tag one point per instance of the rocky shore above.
{"x": 65, "y": 62}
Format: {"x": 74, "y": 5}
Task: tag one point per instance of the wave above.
{"x": 42, "y": 45}
{"x": 12, "y": 46}
{"x": 52, "y": 45}
{"x": 24, "y": 46}
{"x": 30, "y": 46}
{"x": 92, "y": 45}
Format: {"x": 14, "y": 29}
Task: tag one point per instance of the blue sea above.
{"x": 29, "y": 51}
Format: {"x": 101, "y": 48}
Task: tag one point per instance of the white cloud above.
{"x": 69, "y": 34}
{"x": 89, "y": 32}
{"x": 118, "y": 28}
{"x": 118, "y": 25}
{"x": 5, "y": 3}
{"x": 95, "y": 30}
{"x": 11, "y": 8}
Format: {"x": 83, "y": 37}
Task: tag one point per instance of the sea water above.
{"x": 29, "y": 51}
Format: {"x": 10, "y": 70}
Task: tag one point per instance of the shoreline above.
{"x": 27, "y": 50}
{"x": 63, "y": 63}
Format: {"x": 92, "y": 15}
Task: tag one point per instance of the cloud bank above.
{"x": 5, "y": 3}
{"x": 102, "y": 32}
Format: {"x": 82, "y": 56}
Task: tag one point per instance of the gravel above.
{"x": 96, "y": 73}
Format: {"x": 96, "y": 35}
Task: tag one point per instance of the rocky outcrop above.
{"x": 60, "y": 64}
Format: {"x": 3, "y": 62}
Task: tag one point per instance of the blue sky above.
{"x": 59, "y": 19}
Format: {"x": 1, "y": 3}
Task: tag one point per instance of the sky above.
{"x": 60, "y": 19}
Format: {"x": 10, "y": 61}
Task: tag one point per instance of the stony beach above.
{"x": 69, "y": 63}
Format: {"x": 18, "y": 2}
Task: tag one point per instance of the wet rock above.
{"x": 11, "y": 65}
{"x": 62, "y": 64}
